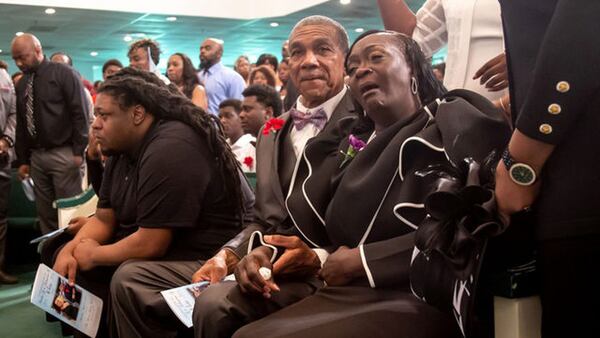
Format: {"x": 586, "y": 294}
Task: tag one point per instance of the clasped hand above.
{"x": 342, "y": 266}
{"x": 297, "y": 260}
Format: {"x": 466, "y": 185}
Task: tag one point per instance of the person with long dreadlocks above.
{"x": 171, "y": 190}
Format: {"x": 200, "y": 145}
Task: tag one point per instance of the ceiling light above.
{"x": 127, "y": 38}
{"x": 94, "y": 53}
{"x": 344, "y": 2}
{"x": 274, "y": 24}
{"x": 50, "y": 11}
{"x": 359, "y": 30}
{"x": 19, "y": 33}
{"x": 171, "y": 18}
{"x": 0, "y": 51}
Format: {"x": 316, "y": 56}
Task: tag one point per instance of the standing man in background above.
{"x": 52, "y": 127}
{"x": 221, "y": 83}
{"x": 7, "y": 137}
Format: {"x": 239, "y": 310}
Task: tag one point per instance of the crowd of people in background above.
{"x": 380, "y": 178}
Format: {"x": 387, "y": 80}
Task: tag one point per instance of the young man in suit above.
{"x": 318, "y": 70}
{"x": 552, "y": 163}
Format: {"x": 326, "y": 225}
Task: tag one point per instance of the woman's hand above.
{"x": 511, "y": 197}
{"x": 297, "y": 259}
{"x": 342, "y": 266}
{"x": 493, "y": 74}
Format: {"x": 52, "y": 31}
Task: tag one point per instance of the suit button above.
{"x": 545, "y": 129}
{"x": 554, "y": 109}
{"x": 563, "y": 86}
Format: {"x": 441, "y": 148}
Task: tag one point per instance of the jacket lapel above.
{"x": 312, "y": 189}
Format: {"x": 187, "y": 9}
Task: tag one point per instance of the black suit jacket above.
{"x": 553, "y": 54}
{"x": 275, "y": 171}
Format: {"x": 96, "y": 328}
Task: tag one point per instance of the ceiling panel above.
{"x": 80, "y": 31}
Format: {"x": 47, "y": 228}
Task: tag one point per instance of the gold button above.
{"x": 545, "y": 129}
{"x": 554, "y": 109}
{"x": 563, "y": 86}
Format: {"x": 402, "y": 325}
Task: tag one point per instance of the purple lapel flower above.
{"x": 355, "y": 145}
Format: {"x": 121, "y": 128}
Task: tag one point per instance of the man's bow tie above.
{"x": 318, "y": 118}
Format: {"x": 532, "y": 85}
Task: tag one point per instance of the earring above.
{"x": 414, "y": 87}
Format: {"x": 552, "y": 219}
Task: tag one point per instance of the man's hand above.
{"x": 216, "y": 268}
{"x": 66, "y": 264}
{"x": 75, "y": 224}
{"x": 23, "y": 172}
{"x": 248, "y": 277}
{"x": 494, "y": 74}
{"x": 342, "y": 266}
{"x": 297, "y": 259}
{"x": 511, "y": 197}
{"x": 84, "y": 253}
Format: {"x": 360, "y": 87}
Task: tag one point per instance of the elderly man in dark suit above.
{"x": 317, "y": 47}
{"x": 317, "y": 68}
{"x": 552, "y": 163}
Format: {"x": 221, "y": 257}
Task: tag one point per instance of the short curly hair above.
{"x": 147, "y": 43}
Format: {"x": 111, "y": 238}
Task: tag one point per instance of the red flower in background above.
{"x": 249, "y": 161}
{"x": 272, "y": 125}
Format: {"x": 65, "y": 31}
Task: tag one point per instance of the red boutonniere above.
{"x": 249, "y": 161}
{"x": 273, "y": 125}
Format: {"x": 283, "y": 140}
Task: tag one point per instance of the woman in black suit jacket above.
{"x": 378, "y": 190}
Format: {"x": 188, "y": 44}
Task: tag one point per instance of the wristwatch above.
{"x": 520, "y": 173}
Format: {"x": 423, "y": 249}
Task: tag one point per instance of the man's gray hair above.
{"x": 317, "y": 20}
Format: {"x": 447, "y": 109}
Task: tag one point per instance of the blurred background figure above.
{"x": 145, "y": 55}
{"x": 263, "y": 75}
{"x": 242, "y": 67}
{"x": 110, "y": 67}
{"x": 182, "y": 74}
{"x": 8, "y": 111}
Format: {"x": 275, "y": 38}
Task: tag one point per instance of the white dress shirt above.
{"x": 243, "y": 148}
{"x": 300, "y": 137}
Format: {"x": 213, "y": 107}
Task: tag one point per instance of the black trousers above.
{"x": 222, "y": 309}
{"x": 570, "y": 286}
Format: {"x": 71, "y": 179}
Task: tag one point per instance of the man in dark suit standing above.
{"x": 317, "y": 68}
{"x": 552, "y": 163}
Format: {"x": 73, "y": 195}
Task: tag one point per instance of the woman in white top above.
{"x": 472, "y": 30}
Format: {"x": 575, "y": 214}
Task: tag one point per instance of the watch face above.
{"x": 522, "y": 174}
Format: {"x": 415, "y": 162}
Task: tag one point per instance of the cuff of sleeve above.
{"x": 363, "y": 259}
{"x": 256, "y": 240}
{"x": 322, "y": 254}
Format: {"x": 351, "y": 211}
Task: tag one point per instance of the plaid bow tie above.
{"x": 318, "y": 118}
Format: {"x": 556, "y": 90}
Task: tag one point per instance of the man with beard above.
{"x": 52, "y": 127}
{"x": 221, "y": 83}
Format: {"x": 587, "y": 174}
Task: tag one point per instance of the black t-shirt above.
{"x": 172, "y": 182}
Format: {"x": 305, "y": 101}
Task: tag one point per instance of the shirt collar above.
{"x": 328, "y": 106}
{"x": 214, "y": 68}
{"x": 244, "y": 140}
{"x": 43, "y": 65}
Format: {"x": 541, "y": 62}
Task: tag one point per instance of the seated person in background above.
{"x": 166, "y": 156}
{"x": 140, "y": 311}
{"x": 260, "y": 104}
{"x": 182, "y": 73}
{"x": 370, "y": 240}
{"x": 263, "y": 75}
{"x": 242, "y": 145}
